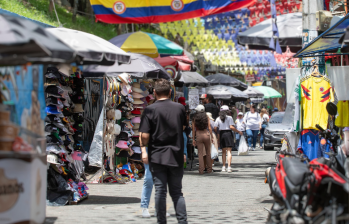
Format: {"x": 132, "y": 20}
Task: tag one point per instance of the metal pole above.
{"x": 104, "y": 112}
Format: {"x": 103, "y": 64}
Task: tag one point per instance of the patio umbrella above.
{"x": 253, "y": 92}
{"x": 268, "y": 92}
{"x": 290, "y": 33}
{"x": 92, "y": 49}
{"x": 226, "y": 92}
{"x": 192, "y": 79}
{"x": 182, "y": 63}
{"x": 148, "y": 44}
{"x": 23, "y": 41}
{"x": 222, "y": 79}
{"x": 140, "y": 66}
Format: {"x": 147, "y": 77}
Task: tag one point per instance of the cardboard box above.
{"x": 22, "y": 188}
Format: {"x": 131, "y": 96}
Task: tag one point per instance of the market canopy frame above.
{"x": 327, "y": 42}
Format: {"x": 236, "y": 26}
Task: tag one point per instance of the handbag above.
{"x": 214, "y": 152}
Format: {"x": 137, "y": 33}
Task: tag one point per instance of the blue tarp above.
{"x": 5, "y": 12}
{"x": 327, "y": 42}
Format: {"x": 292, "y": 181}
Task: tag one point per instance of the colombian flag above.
{"x": 160, "y": 11}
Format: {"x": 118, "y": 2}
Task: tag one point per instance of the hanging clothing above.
{"x": 316, "y": 93}
{"x": 342, "y": 120}
{"x": 296, "y": 119}
{"x": 309, "y": 144}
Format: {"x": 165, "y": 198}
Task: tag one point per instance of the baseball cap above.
{"x": 54, "y": 90}
{"x": 224, "y": 108}
{"x": 51, "y": 100}
{"x": 52, "y": 139}
{"x": 240, "y": 113}
{"x": 200, "y": 108}
{"x": 78, "y": 117}
{"x": 78, "y": 82}
{"x": 52, "y": 109}
{"x": 52, "y": 119}
{"x": 123, "y": 136}
{"x": 66, "y": 111}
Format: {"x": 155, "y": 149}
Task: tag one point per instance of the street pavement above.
{"x": 237, "y": 197}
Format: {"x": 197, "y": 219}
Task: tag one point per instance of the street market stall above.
{"x": 23, "y": 166}
{"x": 127, "y": 91}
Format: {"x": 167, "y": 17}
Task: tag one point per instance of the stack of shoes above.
{"x": 63, "y": 132}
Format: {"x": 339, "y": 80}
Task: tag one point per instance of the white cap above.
{"x": 224, "y": 107}
{"x": 200, "y": 108}
{"x": 240, "y": 113}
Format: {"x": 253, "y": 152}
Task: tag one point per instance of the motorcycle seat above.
{"x": 295, "y": 170}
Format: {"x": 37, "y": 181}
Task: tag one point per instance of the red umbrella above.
{"x": 182, "y": 63}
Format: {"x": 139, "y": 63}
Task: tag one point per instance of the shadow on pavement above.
{"x": 50, "y": 220}
{"x": 98, "y": 200}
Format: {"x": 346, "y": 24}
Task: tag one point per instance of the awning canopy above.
{"x": 327, "y": 42}
{"x": 193, "y": 78}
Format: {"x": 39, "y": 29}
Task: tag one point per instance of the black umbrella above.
{"x": 290, "y": 33}
{"x": 226, "y": 92}
{"x": 222, "y": 79}
{"x": 141, "y": 66}
{"x": 253, "y": 93}
{"x": 23, "y": 41}
{"x": 191, "y": 79}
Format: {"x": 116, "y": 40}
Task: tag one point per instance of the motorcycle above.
{"x": 310, "y": 192}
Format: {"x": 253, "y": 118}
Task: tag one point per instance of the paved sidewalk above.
{"x": 237, "y": 197}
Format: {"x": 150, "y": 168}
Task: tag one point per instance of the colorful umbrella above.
{"x": 182, "y": 63}
{"x": 160, "y": 11}
{"x": 223, "y": 79}
{"x": 147, "y": 44}
{"x": 268, "y": 92}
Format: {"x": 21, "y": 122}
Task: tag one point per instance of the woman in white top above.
{"x": 240, "y": 126}
{"x": 253, "y": 125}
{"x": 224, "y": 125}
{"x": 265, "y": 120}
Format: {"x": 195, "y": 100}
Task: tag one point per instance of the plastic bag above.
{"x": 214, "y": 152}
{"x": 243, "y": 149}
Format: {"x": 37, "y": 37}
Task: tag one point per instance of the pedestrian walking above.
{"x": 214, "y": 134}
{"x": 210, "y": 106}
{"x": 147, "y": 188}
{"x": 181, "y": 100}
{"x": 265, "y": 120}
{"x": 225, "y": 125}
{"x": 202, "y": 138}
{"x": 240, "y": 126}
{"x": 253, "y": 125}
{"x": 161, "y": 129}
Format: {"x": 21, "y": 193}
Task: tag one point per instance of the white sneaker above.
{"x": 223, "y": 169}
{"x": 230, "y": 170}
{"x": 145, "y": 213}
{"x": 253, "y": 149}
{"x": 213, "y": 165}
{"x": 167, "y": 214}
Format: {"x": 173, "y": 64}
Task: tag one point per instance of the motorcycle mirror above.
{"x": 331, "y": 108}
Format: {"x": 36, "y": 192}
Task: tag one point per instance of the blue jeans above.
{"x": 238, "y": 136}
{"x": 147, "y": 187}
{"x": 252, "y": 137}
{"x": 262, "y": 134}
{"x": 185, "y": 144}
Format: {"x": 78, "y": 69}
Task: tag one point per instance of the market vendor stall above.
{"x": 127, "y": 91}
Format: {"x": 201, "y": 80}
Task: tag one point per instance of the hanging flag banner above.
{"x": 159, "y": 11}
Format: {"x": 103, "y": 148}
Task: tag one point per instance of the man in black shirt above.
{"x": 162, "y": 126}
{"x": 210, "y": 106}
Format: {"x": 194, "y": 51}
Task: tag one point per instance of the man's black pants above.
{"x": 171, "y": 176}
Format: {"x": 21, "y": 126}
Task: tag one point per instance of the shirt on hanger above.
{"x": 316, "y": 93}
{"x": 309, "y": 144}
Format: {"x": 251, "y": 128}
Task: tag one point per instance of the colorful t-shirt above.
{"x": 310, "y": 145}
{"x": 316, "y": 92}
